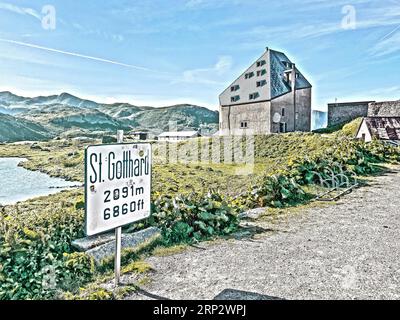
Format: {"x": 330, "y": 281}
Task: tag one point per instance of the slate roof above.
{"x": 278, "y": 68}
{"x": 384, "y": 128}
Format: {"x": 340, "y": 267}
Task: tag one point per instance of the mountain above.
{"x": 67, "y": 115}
{"x": 13, "y": 129}
{"x": 13, "y": 104}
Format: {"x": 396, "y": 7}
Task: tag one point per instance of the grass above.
{"x": 64, "y": 158}
{"x": 169, "y": 251}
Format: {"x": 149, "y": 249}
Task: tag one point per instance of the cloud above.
{"x": 207, "y": 75}
{"x": 20, "y": 10}
{"x": 74, "y": 54}
{"x": 386, "y": 46}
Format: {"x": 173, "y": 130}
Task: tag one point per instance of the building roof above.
{"x": 277, "y": 67}
{"x": 179, "y": 134}
{"x": 384, "y": 128}
{"x": 277, "y": 64}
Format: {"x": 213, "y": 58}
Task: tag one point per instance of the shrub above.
{"x": 274, "y": 191}
{"x": 185, "y": 219}
{"x": 78, "y": 268}
{"x": 35, "y": 252}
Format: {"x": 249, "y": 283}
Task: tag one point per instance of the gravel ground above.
{"x": 349, "y": 250}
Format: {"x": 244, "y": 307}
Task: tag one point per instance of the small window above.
{"x": 287, "y": 77}
{"x": 283, "y": 127}
{"x": 261, "y": 63}
{"x": 261, "y": 72}
{"x": 297, "y": 75}
{"x": 283, "y": 112}
{"x": 287, "y": 64}
{"x": 244, "y": 124}
{"x": 235, "y": 88}
{"x": 261, "y": 83}
{"x": 249, "y": 75}
{"x": 253, "y": 96}
{"x": 235, "y": 98}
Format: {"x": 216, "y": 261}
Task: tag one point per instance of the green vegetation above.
{"x": 68, "y": 116}
{"x": 17, "y": 129}
{"x": 346, "y": 128}
{"x": 36, "y": 257}
{"x": 184, "y": 219}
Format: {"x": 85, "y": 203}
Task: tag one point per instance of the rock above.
{"x": 253, "y": 213}
{"x": 88, "y": 243}
{"x": 129, "y": 241}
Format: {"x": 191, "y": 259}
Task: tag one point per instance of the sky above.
{"x": 159, "y": 52}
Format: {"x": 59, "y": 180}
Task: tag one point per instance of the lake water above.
{"x": 19, "y": 184}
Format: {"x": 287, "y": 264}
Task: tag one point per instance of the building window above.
{"x": 244, "y": 124}
{"x": 253, "y": 96}
{"x": 283, "y": 127}
{"x": 235, "y": 98}
{"x": 287, "y": 77}
{"x": 235, "y": 88}
{"x": 283, "y": 112}
{"x": 249, "y": 75}
{"x": 297, "y": 75}
{"x": 261, "y": 83}
{"x": 287, "y": 64}
{"x": 261, "y": 63}
{"x": 261, "y": 72}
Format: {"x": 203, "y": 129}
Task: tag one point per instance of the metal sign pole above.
{"x": 118, "y": 232}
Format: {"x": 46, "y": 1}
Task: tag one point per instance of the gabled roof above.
{"x": 179, "y": 134}
{"x": 278, "y": 64}
{"x": 383, "y": 128}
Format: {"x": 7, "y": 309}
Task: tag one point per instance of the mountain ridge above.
{"x": 66, "y": 114}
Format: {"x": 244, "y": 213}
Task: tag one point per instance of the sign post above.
{"x": 117, "y": 189}
{"x": 118, "y": 232}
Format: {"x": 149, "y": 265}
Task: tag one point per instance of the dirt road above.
{"x": 349, "y": 250}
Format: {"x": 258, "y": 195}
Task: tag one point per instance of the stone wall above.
{"x": 345, "y": 112}
{"x": 384, "y": 109}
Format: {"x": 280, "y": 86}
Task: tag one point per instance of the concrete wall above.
{"x": 344, "y": 112}
{"x": 248, "y": 86}
{"x": 363, "y": 132}
{"x": 257, "y": 116}
{"x": 303, "y": 109}
{"x": 384, "y": 109}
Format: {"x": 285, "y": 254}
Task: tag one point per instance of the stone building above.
{"x": 382, "y": 128}
{"x": 339, "y": 113}
{"x": 384, "y": 109}
{"x": 271, "y": 96}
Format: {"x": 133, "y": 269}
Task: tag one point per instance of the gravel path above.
{"x": 349, "y": 250}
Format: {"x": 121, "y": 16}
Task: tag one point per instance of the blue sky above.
{"x": 187, "y": 51}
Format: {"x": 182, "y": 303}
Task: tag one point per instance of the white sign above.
{"x": 117, "y": 185}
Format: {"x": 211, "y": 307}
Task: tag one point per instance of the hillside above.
{"x": 69, "y": 115}
{"x": 14, "y": 129}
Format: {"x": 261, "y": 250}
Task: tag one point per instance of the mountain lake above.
{"x": 19, "y": 184}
